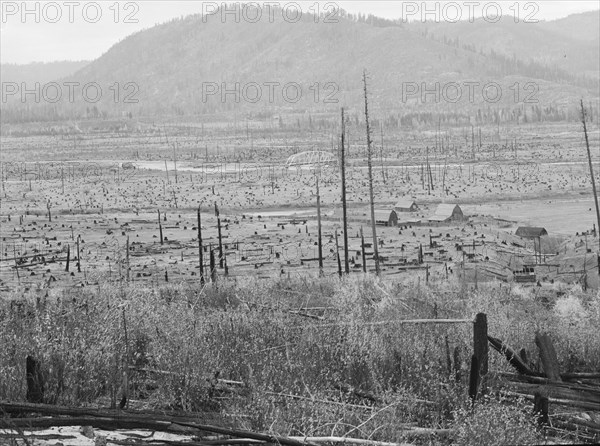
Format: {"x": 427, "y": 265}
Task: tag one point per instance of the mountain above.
{"x": 41, "y": 72}
{"x": 584, "y": 27}
{"x": 167, "y": 68}
{"x": 571, "y": 44}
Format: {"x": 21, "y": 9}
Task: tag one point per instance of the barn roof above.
{"x": 531, "y": 231}
{"x": 439, "y": 217}
{"x": 405, "y": 203}
{"x": 383, "y": 214}
{"x": 445, "y": 210}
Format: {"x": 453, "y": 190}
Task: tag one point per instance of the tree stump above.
{"x": 540, "y": 408}
{"x": 35, "y": 380}
{"x": 548, "y": 356}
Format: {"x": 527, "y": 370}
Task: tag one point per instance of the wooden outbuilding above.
{"x": 406, "y": 205}
{"x": 446, "y": 212}
{"x": 386, "y": 217}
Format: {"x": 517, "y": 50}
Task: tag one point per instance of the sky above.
{"x": 45, "y": 31}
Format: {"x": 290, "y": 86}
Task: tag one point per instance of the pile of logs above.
{"x": 580, "y": 392}
{"x": 189, "y": 425}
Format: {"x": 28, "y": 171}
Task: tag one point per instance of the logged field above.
{"x": 88, "y": 195}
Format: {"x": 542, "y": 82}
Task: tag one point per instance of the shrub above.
{"x": 495, "y": 422}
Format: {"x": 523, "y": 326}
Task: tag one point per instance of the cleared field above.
{"x": 103, "y": 189}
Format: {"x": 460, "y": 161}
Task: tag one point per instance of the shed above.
{"x": 406, "y": 205}
{"x": 409, "y": 222}
{"x": 447, "y": 212}
{"x": 386, "y": 217}
{"x": 531, "y": 231}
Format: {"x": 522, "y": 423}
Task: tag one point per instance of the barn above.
{"x": 446, "y": 212}
{"x": 531, "y": 231}
{"x": 386, "y": 217}
{"x": 406, "y": 206}
{"x": 535, "y": 233}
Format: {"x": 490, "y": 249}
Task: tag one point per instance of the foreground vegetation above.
{"x": 176, "y": 342}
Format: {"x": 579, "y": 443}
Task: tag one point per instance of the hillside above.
{"x": 39, "y": 71}
{"x": 571, "y": 44}
{"x": 169, "y": 64}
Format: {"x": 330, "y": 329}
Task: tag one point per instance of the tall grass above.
{"x": 180, "y": 339}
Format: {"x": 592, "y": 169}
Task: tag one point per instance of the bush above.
{"x": 495, "y": 422}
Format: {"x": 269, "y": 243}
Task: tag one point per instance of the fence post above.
{"x": 68, "y": 258}
{"x": 473, "y": 378}
{"x": 457, "y": 364}
{"x": 548, "y": 356}
{"x": 35, "y": 380}
{"x": 480, "y": 347}
{"x": 540, "y": 408}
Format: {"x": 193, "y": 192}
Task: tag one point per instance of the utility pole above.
{"x": 587, "y": 145}
{"x": 381, "y": 154}
{"x": 370, "y": 167}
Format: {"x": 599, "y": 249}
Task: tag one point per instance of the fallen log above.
{"x": 564, "y": 431}
{"x": 513, "y": 358}
{"x": 417, "y": 432}
{"x": 519, "y": 364}
{"x": 579, "y": 421}
{"x": 37, "y": 436}
{"x": 227, "y": 441}
{"x": 208, "y": 378}
{"x": 41, "y": 262}
{"x": 578, "y": 393}
{"x": 96, "y": 422}
{"x": 559, "y": 401}
{"x": 593, "y": 433}
{"x": 102, "y": 419}
{"x": 349, "y": 440}
{"x": 579, "y": 375}
{"x": 246, "y": 434}
{"x": 349, "y": 389}
{"x": 591, "y": 389}
{"x": 47, "y": 409}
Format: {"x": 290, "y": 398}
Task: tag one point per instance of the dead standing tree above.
{"x": 344, "y": 205}
{"x": 320, "y": 240}
{"x": 337, "y": 253}
{"x": 200, "y": 262}
{"x": 370, "y": 167}
{"x": 220, "y": 238}
{"x": 160, "y": 231}
{"x": 362, "y": 250}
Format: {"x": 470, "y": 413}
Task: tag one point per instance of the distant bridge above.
{"x": 310, "y": 158}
